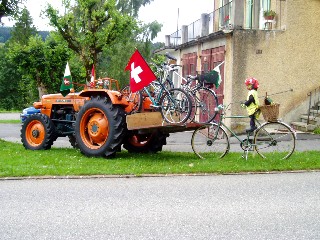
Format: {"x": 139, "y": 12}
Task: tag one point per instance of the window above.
{"x": 254, "y": 13}
{"x": 225, "y": 13}
{"x": 248, "y": 13}
{"x": 265, "y": 5}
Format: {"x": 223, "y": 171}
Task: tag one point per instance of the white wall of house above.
{"x": 283, "y": 57}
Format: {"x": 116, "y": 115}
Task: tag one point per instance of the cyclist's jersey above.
{"x": 254, "y": 106}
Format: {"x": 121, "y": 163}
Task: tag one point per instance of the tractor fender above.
{"x": 115, "y": 96}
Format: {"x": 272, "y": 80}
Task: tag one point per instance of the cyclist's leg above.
{"x": 210, "y": 141}
{"x": 274, "y": 140}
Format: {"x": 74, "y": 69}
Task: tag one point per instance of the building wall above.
{"x": 280, "y": 60}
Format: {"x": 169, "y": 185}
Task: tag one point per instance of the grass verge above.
{"x": 10, "y": 121}
{"x": 15, "y": 161}
{"x": 316, "y": 130}
{"x": 9, "y": 111}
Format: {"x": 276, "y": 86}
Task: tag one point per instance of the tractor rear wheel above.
{"x": 100, "y": 127}
{"x": 38, "y": 132}
{"x": 145, "y": 143}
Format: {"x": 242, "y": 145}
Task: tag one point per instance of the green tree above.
{"x": 18, "y": 92}
{"x": 89, "y": 26}
{"x": 13, "y": 95}
{"x": 131, "y": 7}
{"x": 41, "y": 63}
{"x": 23, "y": 28}
{"x": 9, "y": 7}
{"x": 115, "y": 57}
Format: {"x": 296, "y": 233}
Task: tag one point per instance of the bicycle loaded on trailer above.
{"x": 204, "y": 100}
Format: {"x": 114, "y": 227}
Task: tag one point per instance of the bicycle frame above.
{"x": 221, "y": 123}
{"x": 155, "y": 101}
{"x": 262, "y": 138}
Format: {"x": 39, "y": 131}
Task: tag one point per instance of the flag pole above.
{"x": 220, "y": 64}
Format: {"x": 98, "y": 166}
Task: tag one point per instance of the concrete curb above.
{"x": 150, "y": 175}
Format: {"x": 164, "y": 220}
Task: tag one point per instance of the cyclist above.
{"x": 252, "y": 102}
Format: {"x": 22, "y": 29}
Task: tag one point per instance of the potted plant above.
{"x": 269, "y": 15}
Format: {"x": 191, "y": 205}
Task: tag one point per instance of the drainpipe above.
{"x": 310, "y": 95}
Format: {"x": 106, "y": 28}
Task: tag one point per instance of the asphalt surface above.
{"x": 253, "y": 206}
{"x": 178, "y": 142}
{"x": 246, "y": 206}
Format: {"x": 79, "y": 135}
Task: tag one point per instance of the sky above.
{"x": 166, "y": 13}
{"x": 163, "y": 11}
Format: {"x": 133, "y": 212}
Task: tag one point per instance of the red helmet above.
{"x": 252, "y": 81}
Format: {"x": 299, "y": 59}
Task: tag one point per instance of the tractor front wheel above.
{"x": 99, "y": 128}
{"x": 38, "y": 132}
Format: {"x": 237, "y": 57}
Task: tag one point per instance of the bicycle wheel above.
{"x": 274, "y": 140}
{"x": 205, "y": 103}
{"x": 210, "y": 141}
{"x": 187, "y": 89}
{"x": 168, "y": 83}
{"x": 175, "y": 106}
{"x": 135, "y": 99}
{"x": 193, "y": 108}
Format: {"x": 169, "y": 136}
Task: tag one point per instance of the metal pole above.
{"x": 310, "y": 95}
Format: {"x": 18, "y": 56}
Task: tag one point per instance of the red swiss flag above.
{"x": 141, "y": 74}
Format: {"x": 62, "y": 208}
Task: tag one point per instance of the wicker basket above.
{"x": 270, "y": 113}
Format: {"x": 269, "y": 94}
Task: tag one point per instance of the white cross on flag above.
{"x": 141, "y": 74}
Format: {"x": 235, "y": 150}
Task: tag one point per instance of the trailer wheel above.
{"x": 145, "y": 143}
{"x": 38, "y": 132}
{"x": 99, "y": 128}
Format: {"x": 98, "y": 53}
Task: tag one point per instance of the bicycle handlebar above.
{"x": 174, "y": 67}
{"x": 222, "y": 107}
{"x": 219, "y": 107}
{"x": 166, "y": 66}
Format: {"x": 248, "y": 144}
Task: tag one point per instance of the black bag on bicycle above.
{"x": 209, "y": 78}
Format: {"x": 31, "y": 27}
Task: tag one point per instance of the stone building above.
{"x": 282, "y": 53}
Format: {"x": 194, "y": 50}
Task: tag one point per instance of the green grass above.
{"x": 316, "y": 130}
{"x": 15, "y": 161}
{"x": 10, "y": 121}
{"x": 9, "y": 111}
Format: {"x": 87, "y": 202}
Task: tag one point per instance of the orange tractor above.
{"x": 93, "y": 119}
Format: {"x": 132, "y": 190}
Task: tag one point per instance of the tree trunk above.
{"x": 42, "y": 90}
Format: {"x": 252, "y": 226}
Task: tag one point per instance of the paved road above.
{"x": 262, "y": 206}
{"x": 9, "y": 116}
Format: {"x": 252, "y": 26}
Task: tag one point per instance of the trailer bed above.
{"x": 149, "y": 121}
